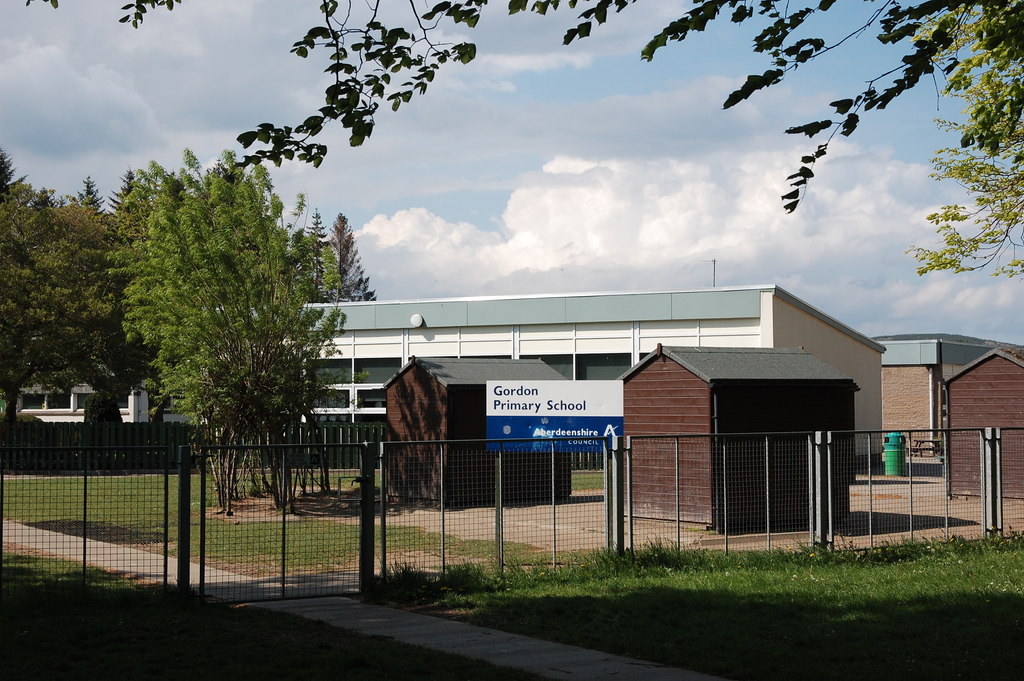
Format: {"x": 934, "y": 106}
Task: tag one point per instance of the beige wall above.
{"x": 909, "y": 398}
{"x": 787, "y": 326}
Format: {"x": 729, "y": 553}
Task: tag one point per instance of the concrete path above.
{"x": 544, "y": 658}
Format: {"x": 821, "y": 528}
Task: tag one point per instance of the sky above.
{"x": 538, "y": 168}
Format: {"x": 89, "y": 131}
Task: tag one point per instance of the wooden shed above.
{"x": 445, "y": 399}
{"x": 690, "y": 390}
{"x": 987, "y": 393}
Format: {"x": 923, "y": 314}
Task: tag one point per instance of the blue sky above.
{"x": 538, "y": 168}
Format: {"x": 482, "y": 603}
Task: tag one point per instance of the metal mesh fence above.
{"x": 82, "y": 516}
{"x": 288, "y": 520}
{"x": 764, "y": 491}
{"x": 277, "y": 521}
{"x": 1012, "y": 479}
{"x": 727, "y": 491}
{"x": 903, "y": 486}
{"x": 500, "y": 503}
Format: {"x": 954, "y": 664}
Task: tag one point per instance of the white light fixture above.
{"x": 416, "y": 320}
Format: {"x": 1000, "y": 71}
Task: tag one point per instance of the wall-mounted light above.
{"x": 416, "y": 320}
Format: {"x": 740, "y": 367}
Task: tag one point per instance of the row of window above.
{"x": 61, "y": 401}
{"x": 586, "y": 367}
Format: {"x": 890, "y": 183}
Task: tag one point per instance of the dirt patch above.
{"x": 261, "y": 509}
{"x": 100, "y": 531}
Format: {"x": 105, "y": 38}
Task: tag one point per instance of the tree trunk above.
{"x": 11, "y": 406}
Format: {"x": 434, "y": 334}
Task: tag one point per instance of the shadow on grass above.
{"x": 789, "y": 636}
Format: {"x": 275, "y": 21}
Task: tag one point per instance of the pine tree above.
{"x": 90, "y": 197}
{"x": 353, "y": 282}
{"x": 7, "y": 177}
{"x": 127, "y": 184}
{"x": 318, "y": 233}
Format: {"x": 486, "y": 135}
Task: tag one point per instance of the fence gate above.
{"x": 279, "y": 521}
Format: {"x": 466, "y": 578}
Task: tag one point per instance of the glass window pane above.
{"x": 372, "y": 399}
{"x": 337, "y": 399}
{"x": 602, "y": 367}
{"x": 378, "y": 370}
{"x": 560, "y": 363}
{"x": 32, "y": 401}
{"x": 337, "y": 370}
{"x": 58, "y": 401}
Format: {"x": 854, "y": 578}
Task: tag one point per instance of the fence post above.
{"x": 499, "y": 529}
{"x": 991, "y": 480}
{"x": 184, "y": 520}
{"x": 822, "y": 483}
{"x": 615, "y": 505}
{"x": 367, "y": 470}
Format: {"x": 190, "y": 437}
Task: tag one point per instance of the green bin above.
{"x": 895, "y": 455}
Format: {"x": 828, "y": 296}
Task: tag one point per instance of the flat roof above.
{"x": 930, "y": 351}
{"x": 727, "y": 302}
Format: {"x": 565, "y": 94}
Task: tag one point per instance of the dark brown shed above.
{"x": 688, "y": 390}
{"x": 987, "y": 393}
{"x": 444, "y": 399}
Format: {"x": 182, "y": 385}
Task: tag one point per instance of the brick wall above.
{"x": 906, "y": 398}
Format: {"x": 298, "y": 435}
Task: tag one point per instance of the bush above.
{"x": 102, "y": 408}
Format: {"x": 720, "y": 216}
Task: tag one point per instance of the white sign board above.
{"x": 590, "y": 410}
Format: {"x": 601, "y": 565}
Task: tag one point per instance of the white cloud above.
{"x": 608, "y": 224}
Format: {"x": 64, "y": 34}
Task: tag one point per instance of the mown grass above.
{"x": 942, "y": 610}
{"x": 49, "y": 629}
{"x": 251, "y": 543}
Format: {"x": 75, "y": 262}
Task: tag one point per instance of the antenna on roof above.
{"x": 713, "y": 272}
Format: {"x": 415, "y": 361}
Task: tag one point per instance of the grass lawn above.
{"x": 248, "y": 541}
{"x": 926, "y": 611}
{"x": 50, "y": 630}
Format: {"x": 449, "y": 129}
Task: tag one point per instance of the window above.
{"x": 33, "y": 401}
{"x": 375, "y": 398}
{"x": 58, "y": 401}
{"x": 560, "y": 363}
{"x": 378, "y": 370}
{"x": 336, "y": 370}
{"x": 602, "y": 367}
{"x": 336, "y": 399}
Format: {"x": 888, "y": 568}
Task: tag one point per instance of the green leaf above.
{"x": 246, "y": 139}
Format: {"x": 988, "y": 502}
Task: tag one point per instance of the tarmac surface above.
{"x": 544, "y": 658}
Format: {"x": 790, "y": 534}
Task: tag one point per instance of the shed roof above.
{"x": 477, "y": 371}
{"x": 1011, "y": 355}
{"x": 749, "y": 365}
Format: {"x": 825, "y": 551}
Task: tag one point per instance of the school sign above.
{"x": 588, "y": 411}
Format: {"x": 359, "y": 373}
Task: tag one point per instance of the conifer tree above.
{"x": 90, "y": 197}
{"x": 7, "y": 177}
{"x": 353, "y": 283}
{"x": 318, "y": 233}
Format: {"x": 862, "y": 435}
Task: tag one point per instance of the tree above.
{"x": 102, "y": 408}
{"x": 991, "y": 229}
{"x": 323, "y": 281}
{"x": 90, "y": 195}
{"x": 7, "y": 177}
{"x": 57, "y": 308}
{"x": 219, "y": 291}
{"x": 353, "y": 284}
{"x": 373, "y": 64}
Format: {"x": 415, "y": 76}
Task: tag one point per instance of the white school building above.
{"x": 588, "y": 336}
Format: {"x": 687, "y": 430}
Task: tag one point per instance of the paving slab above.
{"x": 544, "y": 658}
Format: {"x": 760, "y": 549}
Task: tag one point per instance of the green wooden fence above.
{"x": 164, "y": 437}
